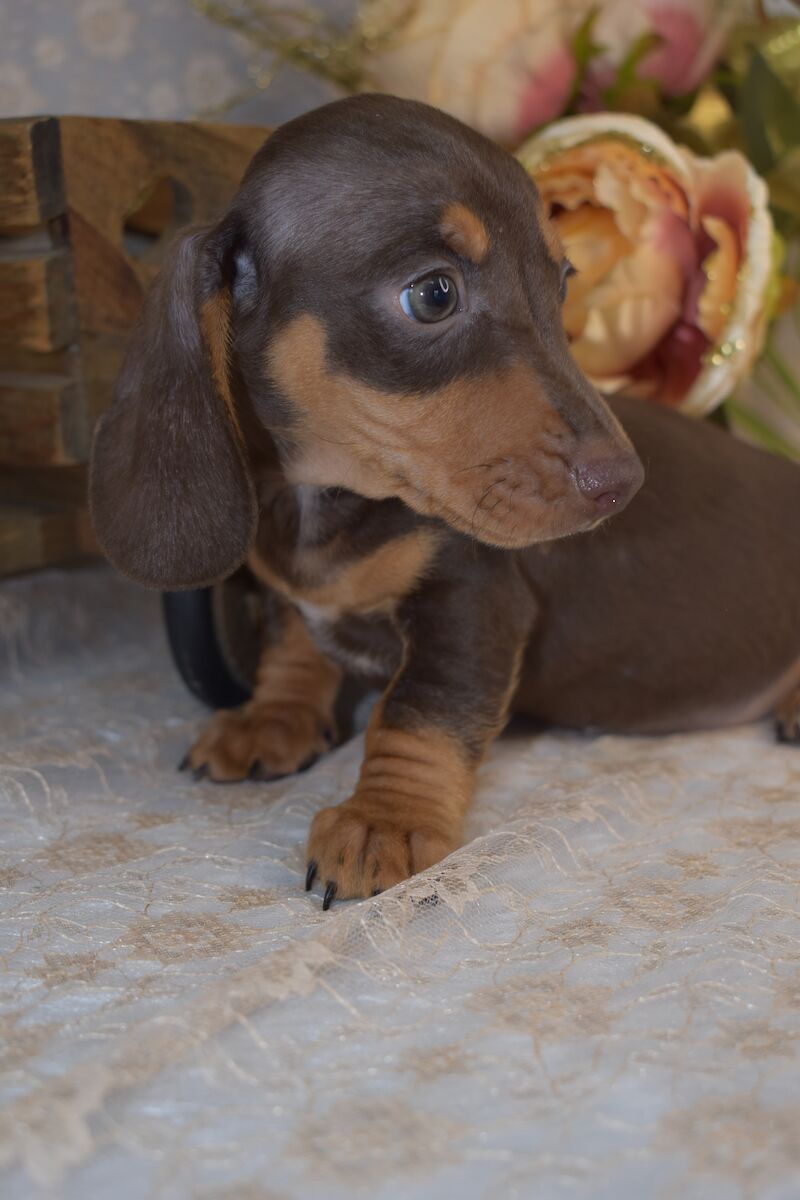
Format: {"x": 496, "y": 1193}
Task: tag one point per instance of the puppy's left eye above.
{"x": 430, "y": 299}
{"x": 567, "y": 269}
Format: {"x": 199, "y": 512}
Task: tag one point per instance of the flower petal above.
{"x": 593, "y": 244}
{"x": 719, "y": 269}
{"x": 693, "y": 36}
{"x": 742, "y": 339}
{"x": 721, "y": 188}
{"x": 407, "y": 41}
{"x": 630, "y": 312}
{"x": 486, "y": 67}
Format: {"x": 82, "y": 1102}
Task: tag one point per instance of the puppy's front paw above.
{"x": 361, "y": 848}
{"x": 259, "y": 741}
{"x": 787, "y": 718}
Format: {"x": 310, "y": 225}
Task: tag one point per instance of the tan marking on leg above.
{"x": 406, "y": 813}
{"x": 465, "y": 232}
{"x": 288, "y": 720}
{"x": 787, "y": 717}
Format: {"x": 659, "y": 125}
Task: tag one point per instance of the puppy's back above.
{"x": 685, "y": 609}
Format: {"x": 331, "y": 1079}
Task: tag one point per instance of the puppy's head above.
{"x": 384, "y": 298}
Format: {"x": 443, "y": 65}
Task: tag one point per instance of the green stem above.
{"x": 762, "y": 432}
{"x": 780, "y": 368}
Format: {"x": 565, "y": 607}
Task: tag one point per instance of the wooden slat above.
{"x": 42, "y": 422}
{"x": 33, "y": 537}
{"x": 111, "y": 169}
{"x": 31, "y": 182}
{"x": 43, "y": 518}
{"x": 52, "y": 487}
{"x": 36, "y": 309}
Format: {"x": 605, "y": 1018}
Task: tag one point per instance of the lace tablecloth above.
{"x": 598, "y": 997}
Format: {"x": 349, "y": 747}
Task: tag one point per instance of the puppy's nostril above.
{"x": 609, "y": 483}
{"x": 606, "y": 502}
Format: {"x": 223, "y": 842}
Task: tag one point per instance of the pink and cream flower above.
{"x": 689, "y": 36}
{"x": 508, "y": 67}
{"x": 504, "y": 68}
{"x": 672, "y": 252}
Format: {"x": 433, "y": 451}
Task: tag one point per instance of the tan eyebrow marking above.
{"x": 465, "y": 232}
{"x": 552, "y": 239}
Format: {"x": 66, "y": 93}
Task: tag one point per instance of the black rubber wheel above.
{"x": 214, "y": 634}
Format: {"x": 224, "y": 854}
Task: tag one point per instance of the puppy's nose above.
{"x": 609, "y": 482}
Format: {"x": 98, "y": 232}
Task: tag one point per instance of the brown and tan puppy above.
{"x": 358, "y": 382}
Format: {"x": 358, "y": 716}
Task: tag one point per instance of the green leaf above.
{"x": 758, "y": 429}
{"x": 769, "y": 113}
{"x": 786, "y": 223}
{"x": 788, "y": 379}
{"x": 784, "y": 183}
{"x": 627, "y": 81}
{"x": 584, "y": 49}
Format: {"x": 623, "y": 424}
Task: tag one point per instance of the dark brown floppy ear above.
{"x": 171, "y": 498}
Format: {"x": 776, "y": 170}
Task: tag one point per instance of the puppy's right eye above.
{"x": 430, "y": 299}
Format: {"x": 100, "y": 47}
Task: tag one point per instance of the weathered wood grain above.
{"x": 87, "y": 209}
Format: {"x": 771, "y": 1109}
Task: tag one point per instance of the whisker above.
{"x": 480, "y": 503}
{"x": 477, "y": 467}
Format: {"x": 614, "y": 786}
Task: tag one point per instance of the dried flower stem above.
{"x": 301, "y": 37}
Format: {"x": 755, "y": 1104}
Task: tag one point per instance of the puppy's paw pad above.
{"x": 259, "y": 741}
{"x": 355, "y": 852}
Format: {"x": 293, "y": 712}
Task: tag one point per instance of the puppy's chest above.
{"x": 368, "y": 646}
{"x": 347, "y": 587}
{"x": 348, "y": 609}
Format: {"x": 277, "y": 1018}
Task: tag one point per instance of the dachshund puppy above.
{"x": 358, "y": 382}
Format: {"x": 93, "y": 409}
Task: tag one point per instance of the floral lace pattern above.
{"x": 598, "y": 996}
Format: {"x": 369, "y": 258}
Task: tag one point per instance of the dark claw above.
{"x": 200, "y": 772}
{"x": 311, "y": 875}
{"x": 327, "y": 900}
{"x": 377, "y": 891}
{"x": 183, "y": 764}
{"x": 255, "y": 770}
{"x": 327, "y": 735}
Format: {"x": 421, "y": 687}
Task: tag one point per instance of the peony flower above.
{"x": 503, "y": 68}
{"x": 672, "y": 252}
{"x": 690, "y": 36}
{"x": 508, "y": 67}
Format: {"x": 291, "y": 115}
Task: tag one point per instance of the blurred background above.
{"x": 160, "y": 59}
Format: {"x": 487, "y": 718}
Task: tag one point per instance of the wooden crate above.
{"x": 87, "y": 207}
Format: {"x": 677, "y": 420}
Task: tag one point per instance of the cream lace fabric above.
{"x": 597, "y": 997}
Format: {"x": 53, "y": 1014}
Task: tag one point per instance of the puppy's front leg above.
{"x": 425, "y": 740}
{"x": 289, "y": 719}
